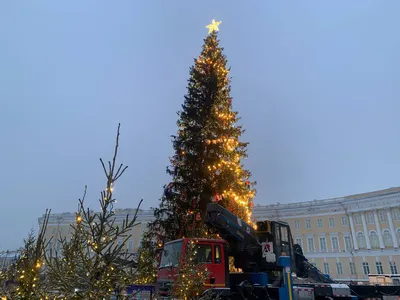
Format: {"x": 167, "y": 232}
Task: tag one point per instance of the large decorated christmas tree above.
{"x": 207, "y": 164}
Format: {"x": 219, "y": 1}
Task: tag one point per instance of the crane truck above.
{"x": 272, "y": 266}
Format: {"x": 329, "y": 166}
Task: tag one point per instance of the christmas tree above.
{"x": 207, "y": 164}
{"x": 189, "y": 282}
{"x": 147, "y": 262}
{"x": 25, "y": 279}
{"x": 95, "y": 262}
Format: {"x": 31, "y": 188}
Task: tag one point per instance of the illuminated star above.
{"x": 213, "y": 26}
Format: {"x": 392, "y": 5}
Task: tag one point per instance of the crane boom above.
{"x": 230, "y": 227}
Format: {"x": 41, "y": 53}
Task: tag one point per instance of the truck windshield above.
{"x": 171, "y": 255}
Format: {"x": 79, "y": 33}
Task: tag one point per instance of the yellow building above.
{"x": 348, "y": 237}
{"x": 7, "y": 258}
{"x": 59, "y": 225}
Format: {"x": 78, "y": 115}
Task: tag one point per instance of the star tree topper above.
{"x": 213, "y": 26}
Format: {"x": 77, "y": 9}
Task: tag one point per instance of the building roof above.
{"x": 380, "y": 199}
{"x": 388, "y": 191}
{"x": 11, "y": 254}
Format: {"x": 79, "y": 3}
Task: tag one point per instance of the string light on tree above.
{"x": 95, "y": 259}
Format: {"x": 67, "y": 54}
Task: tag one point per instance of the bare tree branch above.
{"x": 93, "y": 258}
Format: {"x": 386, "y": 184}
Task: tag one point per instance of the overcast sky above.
{"x": 317, "y": 85}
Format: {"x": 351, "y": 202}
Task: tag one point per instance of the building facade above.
{"x": 347, "y": 237}
{"x": 7, "y": 258}
{"x": 59, "y": 225}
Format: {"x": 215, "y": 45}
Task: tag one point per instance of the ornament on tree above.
{"x": 213, "y": 26}
{"x": 216, "y": 198}
{"x": 198, "y": 217}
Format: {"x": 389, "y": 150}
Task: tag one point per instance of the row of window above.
{"x": 379, "y": 268}
{"x": 369, "y": 217}
{"x": 57, "y": 245}
{"x": 348, "y": 244}
{"x": 68, "y": 229}
{"x": 374, "y": 239}
{"x": 382, "y": 217}
{"x": 319, "y": 223}
{"x": 323, "y": 247}
{"x": 130, "y": 244}
{"x": 365, "y": 268}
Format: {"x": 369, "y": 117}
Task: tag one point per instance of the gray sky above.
{"x": 315, "y": 82}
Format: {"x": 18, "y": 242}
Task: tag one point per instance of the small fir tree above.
{"x": 95, "y": 263}
{"x": 207, "y": 164}
{"x": 147, "y": 261}
{"x": 25, "y": 278}
{"x": 189, "y": 283}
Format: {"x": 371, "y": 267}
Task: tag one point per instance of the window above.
{"x": 370, "y": 218}
{"x": 348, "y": 243}
{"x": 382, "y": 216}
{"x": 54, "y": 231}
{"x": 204, "y": 254}
{"x": 352, "y": 268}
{"x": 365, "y": 268}
{"x": 320, "y": 223}
{"x": 374, "y": 239}
{"x": 396, "y": 214}
{"x": 398, "y": 234}
{"x": 299, "y": 242}
{"x": 217, "y": 254}
{"x": 130, "y": 246}
{"x": 297, "y": 224}
{"x": 284, "y": 233}
{"x": 335, "y": 243}
{"x": 393, "y": 267}
{"x": 326, "y": 268}
{"x": 143, "y": 228}
{"x": 357, "y": 219}
{"x": 379, "y": 268}
{"x": 310, "y": 242}
{"x": 331, "y": 222}
{"x": 49, "y": 248}
{"x": 387, "y": 238}
{"x": 361, "y": 240}
{"x": 322, "y": 244}
{"x": 171, "y": 254}
{"x": 345, "y": 221}
{"x": 308, "y": 224}
{"x": 339, "y": 268}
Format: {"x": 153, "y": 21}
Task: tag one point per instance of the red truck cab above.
{"x": 210, "y": 252}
